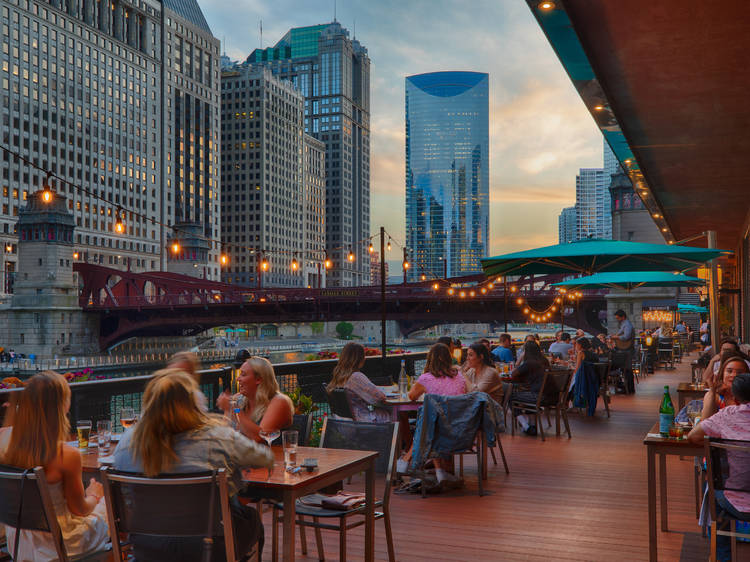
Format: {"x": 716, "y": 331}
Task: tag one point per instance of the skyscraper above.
{"x": 120, "y": 99}
{"x": 593, "y": 218}
{"x": 447, "y": 171}
{"x": 566, "y": 225}
{"x": 333, "y": 73}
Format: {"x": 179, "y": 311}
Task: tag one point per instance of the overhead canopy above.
{"x": 632, "y": 280}
{"x": 691, "y": 308}
{"x": 667, "y": 83}
{"x": 595, "y": 256}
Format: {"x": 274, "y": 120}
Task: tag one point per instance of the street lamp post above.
{"x": 382, "y": 301}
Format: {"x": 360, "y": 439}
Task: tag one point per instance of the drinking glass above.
{"x": 694, "y": 409}
{"x": 289, "y": 441}
{"x": 83, "y": 428}
{"x": 128, "y": 417}
{"x": 104, "y": 435}
{"x": 269, "y": 436}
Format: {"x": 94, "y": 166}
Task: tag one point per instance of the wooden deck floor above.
{"x": 578, "y": 499}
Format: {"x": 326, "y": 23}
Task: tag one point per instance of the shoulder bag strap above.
{"x": 18, "y": 517}
{"x": 208, "y": 540}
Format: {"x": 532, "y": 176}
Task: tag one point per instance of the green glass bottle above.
{"x": 666, "y": 413}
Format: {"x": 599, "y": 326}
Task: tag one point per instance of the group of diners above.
{"x": 175, "y": 434}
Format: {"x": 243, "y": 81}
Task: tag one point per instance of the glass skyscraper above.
{"x": 447, "y": 172}
{"x": 332, "y": 72}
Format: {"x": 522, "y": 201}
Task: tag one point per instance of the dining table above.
{"x": 333, "y": 466}
{"x": 662, "y": 446}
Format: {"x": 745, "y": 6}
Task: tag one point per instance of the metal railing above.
{"x": 103, "y": 399}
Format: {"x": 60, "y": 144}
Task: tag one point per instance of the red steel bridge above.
{"x": 160, "y": 303}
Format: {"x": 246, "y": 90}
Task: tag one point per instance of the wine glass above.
{"x": 694, "y": 409}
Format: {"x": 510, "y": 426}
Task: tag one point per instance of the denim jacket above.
{"x": 586, "y": 387}
{"x": 448, "y": 424}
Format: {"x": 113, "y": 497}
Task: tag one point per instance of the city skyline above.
{"x": 540, "y": 132}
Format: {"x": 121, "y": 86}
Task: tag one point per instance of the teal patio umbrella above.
{"x": 598, "y": 256}
{"x": 691, "y": 308}
{"x": 632, "y": 280}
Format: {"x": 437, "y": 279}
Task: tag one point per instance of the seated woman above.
{"x": 732, "y": 422}
{"x": 719, "y": 394}
{"x": 728, "y": 345}
{"x": 480, "y": 372}
{"x": 366, "y": 399}
{"x": 263, "y": 406}
{"x": 175, "y": 436}
{"x": 530, "y": 376}
{"x": 584, "y": 352}
{"x": 439, "y": 377}
{"x": 36, "y": 436}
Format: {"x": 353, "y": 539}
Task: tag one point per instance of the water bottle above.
{"x": 666, "y": 413}
{"x": 403, "y": 380}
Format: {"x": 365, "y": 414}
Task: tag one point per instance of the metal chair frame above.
{"x": 37, "y": 481}
{"x": 218, "y": 479}
{"x": 343, "y": 524}
{"x": 715, "y": 475}
{"x": 559, "y": 404}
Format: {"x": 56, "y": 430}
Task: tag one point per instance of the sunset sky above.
{"x": 540, "y": 131}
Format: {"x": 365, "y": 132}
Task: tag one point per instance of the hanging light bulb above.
{"x": 75, "y": 255}
{"x": 175, "y": 248}
{"x": 371, "y": 248}
{"x": 451, "y": 291}
{"x": 224, "y": 259}
{"x": 295, "y": 265}
{"x": 519, "y": 301}
{"x": 423, "y": 277}
{"x": 389, "y": 245}
{"x": 47, "y": 194}
{"x": 264, "y": 264}
{"x": 350, "y": 257}
{"x": 327, "y": 262}
{"x": 435, "y": 286}
{"x": 491, "y": 286}
{"x": 119, "y": 225}
{"x": 483, "y": 291}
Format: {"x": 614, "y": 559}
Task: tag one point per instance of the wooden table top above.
{"x": 329, "y": 461}
{"x": 398, "y": 400}
{"x": 653, "y": 438}
{"x": 690, "y": 387}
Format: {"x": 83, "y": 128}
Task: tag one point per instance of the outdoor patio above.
{"x": 577, "y": 499}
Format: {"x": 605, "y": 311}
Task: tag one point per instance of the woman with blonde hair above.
{"x": 366, "y": 399}
{"x": 36, "y": 436}
{"x": 172, "y": 436}
{"x": 263, "y": 407}
{"x": 188, "y": 361}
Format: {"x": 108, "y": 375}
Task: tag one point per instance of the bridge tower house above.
{"x": 188, "y": 250}
{"x": 44, "y": 318}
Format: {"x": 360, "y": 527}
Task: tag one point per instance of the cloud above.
{"x": 540, "y": 131}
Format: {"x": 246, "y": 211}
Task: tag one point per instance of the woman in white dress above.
{"x": 36, "y": 437}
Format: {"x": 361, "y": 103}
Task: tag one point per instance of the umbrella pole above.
{"x": 713, "y": 295}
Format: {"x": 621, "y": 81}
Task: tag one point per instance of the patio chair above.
{"x": 602, "y": 369}
{"x": 338, "y": 400}
{"x": 183, "y": 505}
{"x": 665, "y": 353}
{"x": 26, "y": 503}
{"x": 553, "y": 395}
{"x": 302, "y": 423}
{"x": 357, "y": 436}
{"x": 724, "y": 458}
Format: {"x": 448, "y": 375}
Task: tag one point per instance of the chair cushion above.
{"x": 303, "y": 508}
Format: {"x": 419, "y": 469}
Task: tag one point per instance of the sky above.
{"x": 540, "y": 131}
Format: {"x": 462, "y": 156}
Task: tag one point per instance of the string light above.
{"x": 451, "y": 291}
{"x": 371, "y": 248}
{"x": 295, "y": 265}
{"x": 519, "y": 301}
{"x": 75, "y": 255}
{"x": 350, "y": 257}
{"x": 423, "y": 277}
{"x": 327, "y": 263}
{"x": 224, "y": 259}
{"x": 389, "y": 244}
{"x": 435, "y": 286}
{"x": 264, "y": 264}
{"x": 119, "y": 225}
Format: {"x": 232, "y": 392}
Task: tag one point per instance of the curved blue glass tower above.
{"x": 447, "y": 172}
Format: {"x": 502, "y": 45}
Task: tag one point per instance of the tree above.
{"x": 344, "y": 330}
{"x": 317, "y": 327}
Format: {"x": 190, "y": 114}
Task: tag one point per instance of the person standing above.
{"x": 624, "y": 339}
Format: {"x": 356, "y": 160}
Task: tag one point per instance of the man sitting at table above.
{"x": 503, "y": 352}
{"x": 561, "y": 348}
{"x": 732, "y": 422}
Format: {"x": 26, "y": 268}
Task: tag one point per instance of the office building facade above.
{"x": 332, "y": 72}
{"x": 447, "y": 172}
{"x": 271, "y": 182}
{"x": 121, "y": 100}
{"x": 566, "y": 225}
